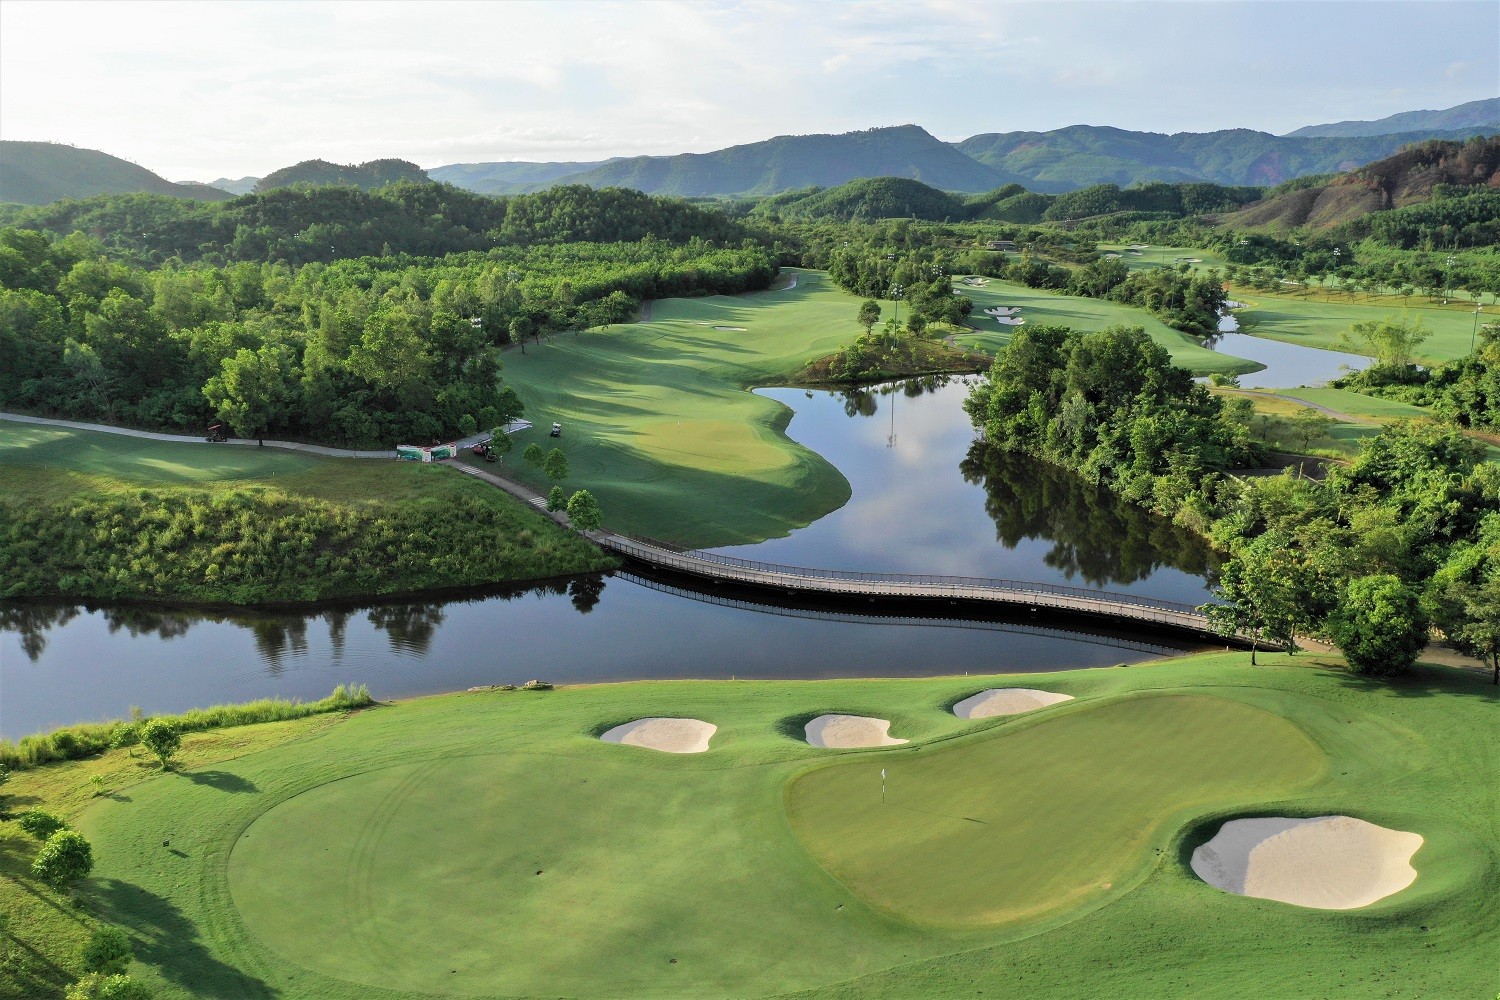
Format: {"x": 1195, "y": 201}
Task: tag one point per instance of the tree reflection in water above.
{"x": 1094, "y": 534}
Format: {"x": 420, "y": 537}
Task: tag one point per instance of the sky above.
{"x": 200, "y": 90}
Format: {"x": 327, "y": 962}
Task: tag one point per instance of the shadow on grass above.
{"x": 1423, "y": 681}
{"x": 170, "y": 942}
{"x": 224, "y": 781}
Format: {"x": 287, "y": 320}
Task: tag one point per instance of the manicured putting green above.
{"x": 1039, "y": 819}
{"x": 520, "y": 874}
{"x": 1318, "y": 321}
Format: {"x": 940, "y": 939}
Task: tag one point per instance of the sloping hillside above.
{"x": 1407, "y": 178}
{"x": 1082, "y": 155}
{"x": 39, "y": 173}
{"x": 1475, "y": 114}
{"x": 789, "y": 162}
{"x": 365, "y": 176}
{"x": 235, "y": 186}
{"x": 516, "y": 177}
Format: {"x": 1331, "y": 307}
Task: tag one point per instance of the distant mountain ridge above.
{"x": 1483, "y": 114}
{"x": 1056, "y": 161}
{"x": 235, "y": 186}
{"x": 39, "y": 173}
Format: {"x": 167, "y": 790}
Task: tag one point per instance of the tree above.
{"x": 96, "y": 986}
{"x": 1476, "y": 627}
{"x": 1379, "y": 625}
{"x": 162, "y": 739}
{"x": 556, "y": 465}
{"x": 584, "y": 512}
{"x": 556, "y": 499}
{"x": 65, "y": 858}
{"x": 1259, "y": 593}
{"x": 108, "y": 951}
{"x": 869, "y": 314}
{"x": 533, "y": 454}
{"x": 255, "y": 390}
{"x": 1312, "y": 425}
{"x": 1391, "y": 341}
{"x": 500, "y": 441}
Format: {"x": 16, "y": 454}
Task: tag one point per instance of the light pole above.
{"x": 1474, "y": 334}
{"x": 1447, "y": 278}
{"x": 896, "y": 292}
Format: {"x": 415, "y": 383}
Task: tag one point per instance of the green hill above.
{"x": 235, "y": 186}
{"x": 366, "y": 176}
{"x": 1483, "y": 114}
{"x": 38, "y": 173}
{"x": 866, "y": 200}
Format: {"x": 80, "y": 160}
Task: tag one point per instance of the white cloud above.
{"x": 202, "y": 90}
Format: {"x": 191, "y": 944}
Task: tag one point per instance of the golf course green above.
{"x": 490, "y": 844}
{"x": 1315, "y": 320}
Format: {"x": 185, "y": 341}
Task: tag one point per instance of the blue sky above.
{"x": 201, "y": 90}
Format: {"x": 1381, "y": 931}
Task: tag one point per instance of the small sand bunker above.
{"x": 1327, "y": 862}
{"x": 739, "y": 328}
{"x": 838, "y": 732}
{"x": 666, "y": 735}
{"x": 1006, "y": 701}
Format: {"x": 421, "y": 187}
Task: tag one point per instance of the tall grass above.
{"x": 88, "y": 739}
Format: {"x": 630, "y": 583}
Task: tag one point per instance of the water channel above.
{"x": 923, "y": 501}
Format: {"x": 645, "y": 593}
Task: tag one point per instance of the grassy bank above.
{"x": 99, "y": 516}
{"x": 1014, "y": 857}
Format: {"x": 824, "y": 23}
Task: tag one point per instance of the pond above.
{"x": 928, "y": 503}
{"x": 1287, "y": 365}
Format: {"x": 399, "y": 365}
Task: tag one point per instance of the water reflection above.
{"x": 1092, "y": 534}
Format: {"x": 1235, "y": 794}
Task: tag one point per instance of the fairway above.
{"x": 140, "y": 459}
{"x": 658, "y": 423}
{"x": 1014, "y": 854}
{"x": 1079, "y": 313}
{"x": 1314, "y": 321}
{"x": 1023, "y": 823}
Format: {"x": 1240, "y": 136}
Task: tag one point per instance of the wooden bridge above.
{"x": 914, "y": 588}
{"x": 716, "y": 567}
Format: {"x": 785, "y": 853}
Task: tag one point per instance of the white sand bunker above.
{"x": 838, "y": 732}
{"x": 740, "y": 328}
{"x": 1006, "y": 701}
{"x": 1327, "y": 862}
{"x": 666, "y": 735}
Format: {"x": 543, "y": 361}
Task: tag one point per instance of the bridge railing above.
{"x": 692, "y": 560}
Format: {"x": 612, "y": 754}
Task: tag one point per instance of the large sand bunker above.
{"x": 838, "y": 732}
{"x": 666, "y": 735}
{"x": 1327, "y": 862}
{"x": 1006, "y": 701}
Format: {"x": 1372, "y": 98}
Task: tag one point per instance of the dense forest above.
{"x": 362, "y": 352}
{"x": 1404, "y": 538}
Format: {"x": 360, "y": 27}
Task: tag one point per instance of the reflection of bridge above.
{"x": 914, "y": 588}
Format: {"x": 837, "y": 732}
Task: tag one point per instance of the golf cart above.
{"x": 216, "y": 432}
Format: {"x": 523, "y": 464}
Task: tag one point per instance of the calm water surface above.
{"x": 1287, "y": 365}
{"x": 922, "y": 503}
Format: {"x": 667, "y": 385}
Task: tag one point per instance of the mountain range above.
{"x": 1055, "y": 161}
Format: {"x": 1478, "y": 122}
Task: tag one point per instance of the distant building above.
{"x": 1007, "y": 245}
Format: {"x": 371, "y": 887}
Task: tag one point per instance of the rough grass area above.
{"x": 651, "y": 410}
{"x": 1050, "y": 308}
{"x": 93, "y": 516}
{"x": 1315, "y": 320}
{"x": 489, "y": 844}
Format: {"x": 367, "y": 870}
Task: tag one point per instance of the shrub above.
{"x": 65, "y": 858}
{"x": 108, "y": 952}
{"x": 1379, "y": 625}
{"x": 100, "y": 987}
{"x": 40, "y": 824}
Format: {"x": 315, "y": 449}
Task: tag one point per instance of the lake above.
{"x": 925, "y": 500}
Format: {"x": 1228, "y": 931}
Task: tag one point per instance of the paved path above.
{"x": 310, "y": 449}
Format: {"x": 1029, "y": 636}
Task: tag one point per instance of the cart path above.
{"x": 310, "y": 449}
